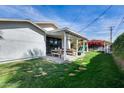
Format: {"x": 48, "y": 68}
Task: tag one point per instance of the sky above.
{"x": 75, "y": 17}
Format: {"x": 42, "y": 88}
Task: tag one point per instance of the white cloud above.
{"x": 98, "y": 30}
{"x": 22, "y": 11}
{"x": 29, "y": 12}
{"x": 103, "y": 32}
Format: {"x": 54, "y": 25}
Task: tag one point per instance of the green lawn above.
{"x": 94, "y": 70}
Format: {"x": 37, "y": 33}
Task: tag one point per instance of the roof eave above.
{"x": 74, "y": 33}
{"x": 17, "y": 20}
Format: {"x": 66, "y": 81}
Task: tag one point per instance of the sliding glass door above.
{"x": 52, "y": 43}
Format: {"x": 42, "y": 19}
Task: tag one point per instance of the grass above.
{"x": 94, "y": 70}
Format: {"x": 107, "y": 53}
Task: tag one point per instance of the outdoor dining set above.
{"x": 59, "y": 52}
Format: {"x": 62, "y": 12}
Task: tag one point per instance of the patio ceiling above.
{"x": 60, "y": 34}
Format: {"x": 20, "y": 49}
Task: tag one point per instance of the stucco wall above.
{"x": 21, "y": 40}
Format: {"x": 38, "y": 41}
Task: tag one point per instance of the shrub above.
{"x": 118, "y": 51}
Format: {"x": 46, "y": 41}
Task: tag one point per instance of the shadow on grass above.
{"x": 101, "y": 71}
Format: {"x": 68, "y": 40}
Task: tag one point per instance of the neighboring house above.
{"x": 23, "y": 39}
{"x": 108, "y": 47}
{"x": 96, "y": 45}
{"x": 99, "y": 45}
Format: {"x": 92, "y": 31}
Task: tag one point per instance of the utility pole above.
{"x": 110, "y": 47}
{"x": 111, "y": 29}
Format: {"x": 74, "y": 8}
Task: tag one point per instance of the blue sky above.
{"x": 75, "y": 17}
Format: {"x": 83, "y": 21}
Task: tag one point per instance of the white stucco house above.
{"x": 24, "y": 39}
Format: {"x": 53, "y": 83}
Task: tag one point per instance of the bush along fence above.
{"x": 118, "y": 51}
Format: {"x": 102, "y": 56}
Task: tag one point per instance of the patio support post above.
{"x": 76, "y": 47}
{"x": 107, "y": 48}
{"x": 65, "y": 42}
{"x": 87, "y": 47}
{"x": 83, "y": 46}
{"x": 104, "y": 47}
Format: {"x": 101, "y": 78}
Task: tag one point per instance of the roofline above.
{"x": 75, "y": 33}
{"x": 66, "y": 29}
{"x": 34, "y": 23}
{"x": 19, "y": 20}
{"x": 69, "y": 31}
{"x": 101, "y": 40}
{"x": 47, "y": 22}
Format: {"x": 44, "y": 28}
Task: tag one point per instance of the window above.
{"x": 53, "y": 43}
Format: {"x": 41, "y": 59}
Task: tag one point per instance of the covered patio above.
{"x": 65, "y": 45}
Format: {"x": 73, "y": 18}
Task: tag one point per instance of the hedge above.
{"x": 118, "y": 47}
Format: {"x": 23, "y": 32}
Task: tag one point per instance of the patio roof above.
{"x": 59, "y": 31}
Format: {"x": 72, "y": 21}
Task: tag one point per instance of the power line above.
{"x": 96, "y": 19}
{"x": 74, "y": 20}
{"x": 77, "y": 17}
{"x": 122, "y": 21}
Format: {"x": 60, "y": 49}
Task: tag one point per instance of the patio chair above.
{"x": 56, "y": 52}
{"x": 71, "y": 52}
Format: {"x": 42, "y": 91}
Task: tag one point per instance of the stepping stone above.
{"x": 44, "y": 73}
{"x": 65, "y": 69}
{"x": 37, "y": 75}
{"x": 29, "y": 68}
{"x": 61, "y": 77}
{"x": 82, "y": 68}
{"x": 30, "y": 71}
{"x": 55, "y": 67}
{"x": 72, "y": 74}
{"x": 77, "y": 70}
